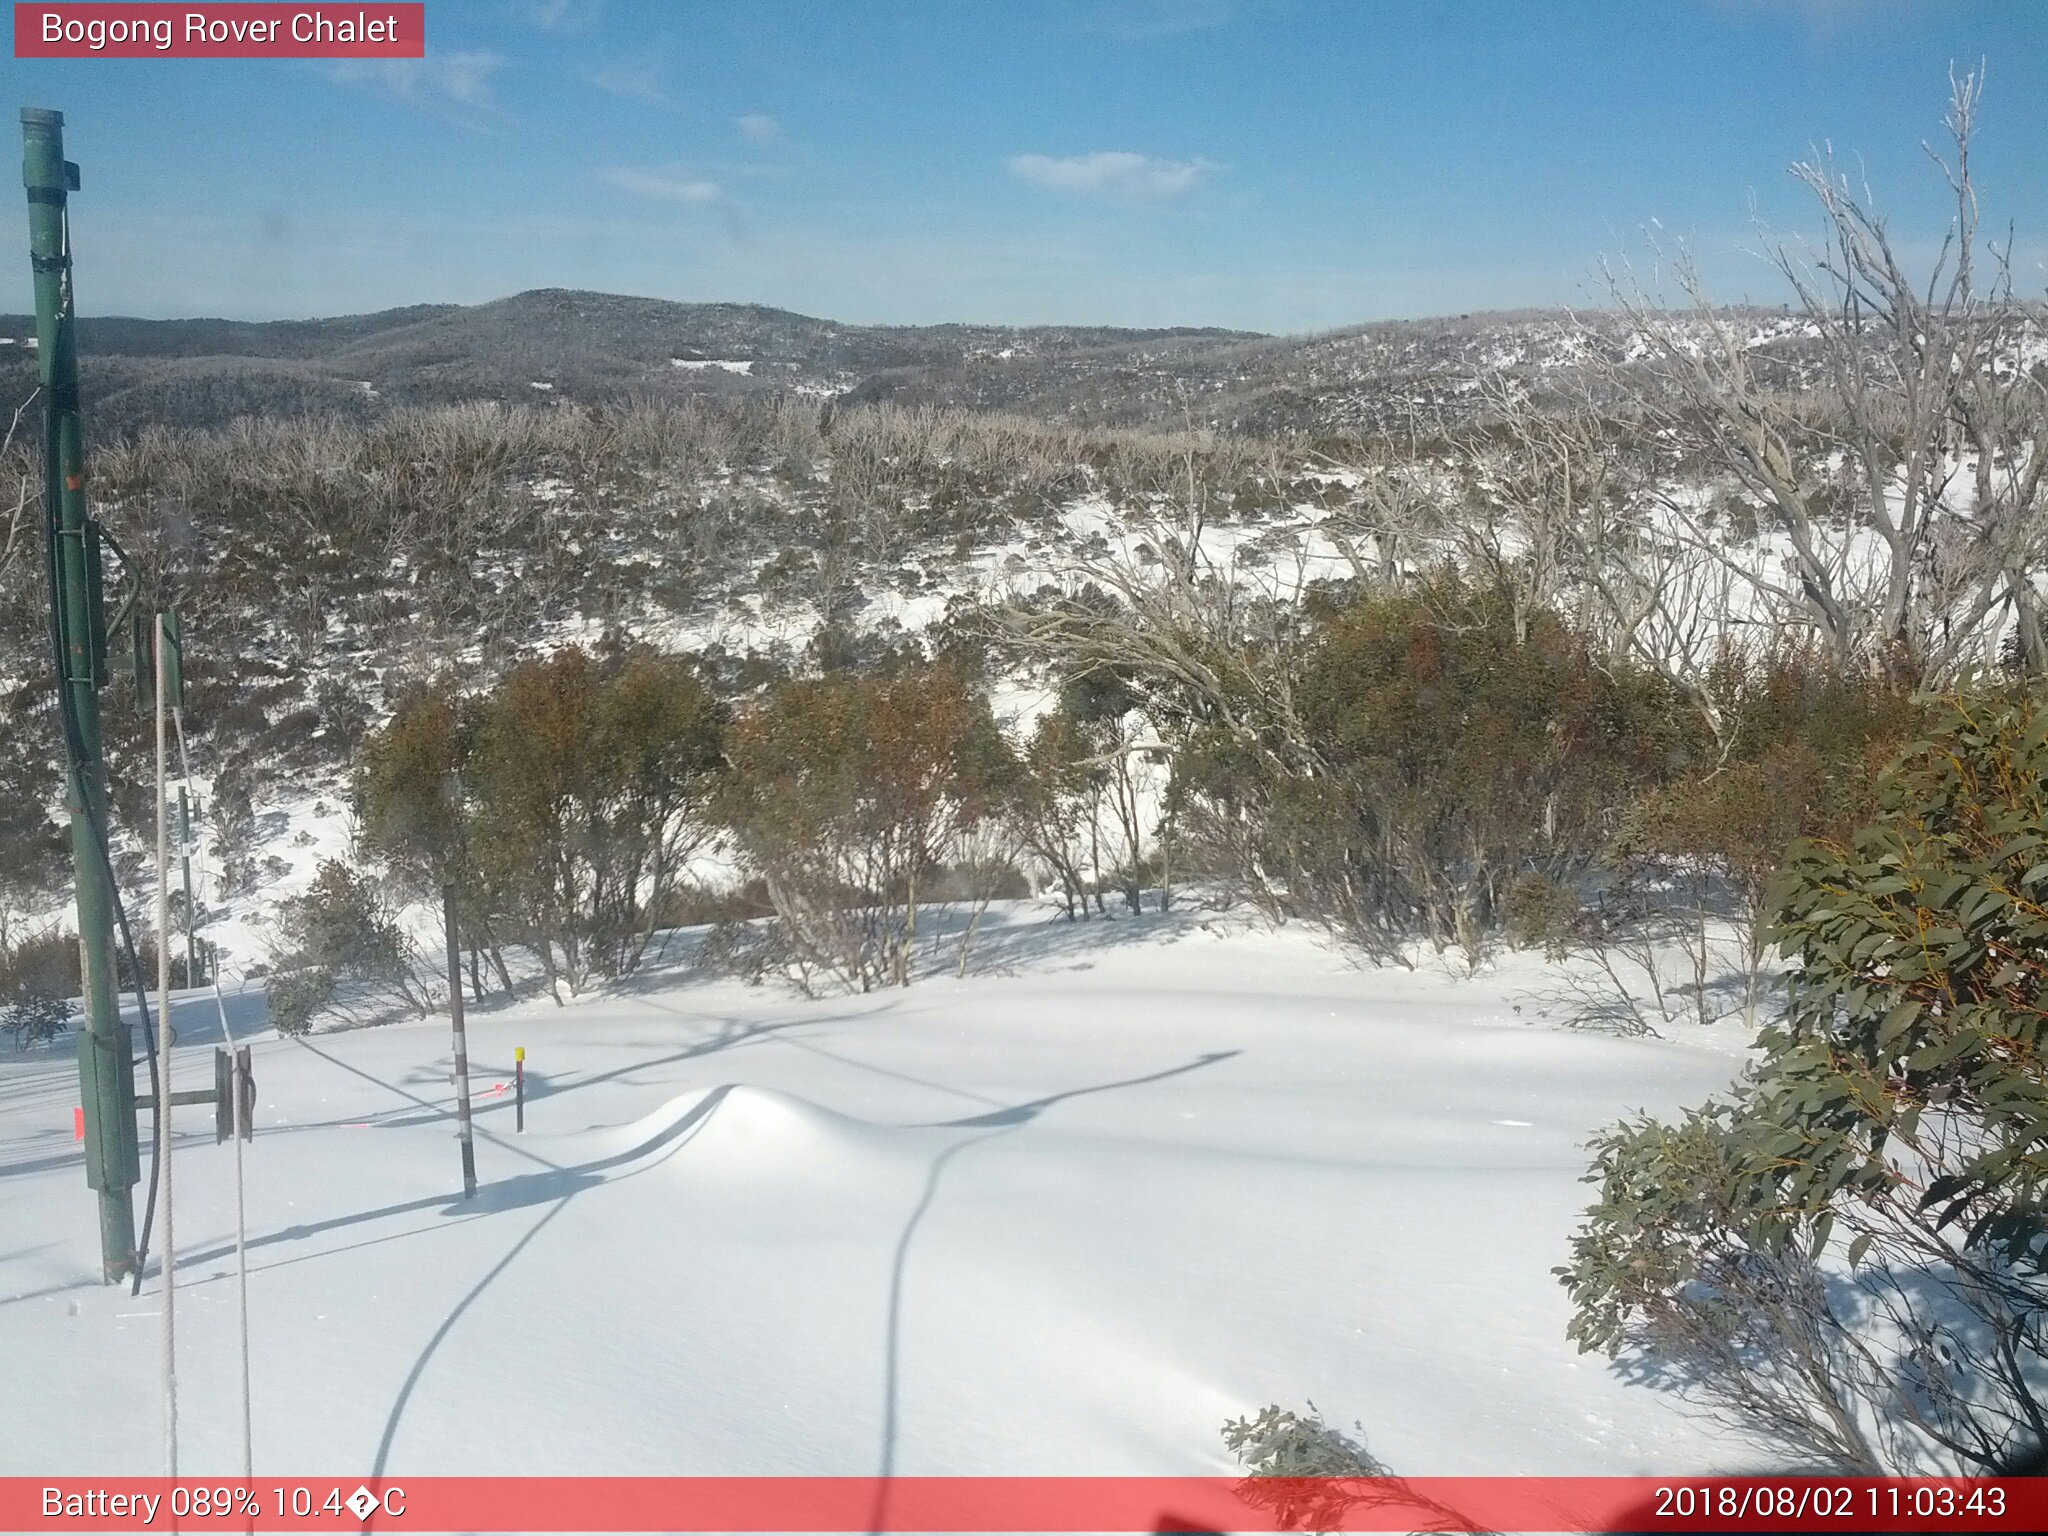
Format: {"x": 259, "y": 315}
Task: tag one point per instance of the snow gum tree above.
{"x": 584, "y": 786}
{"x": 407, "y": 820}
{"x": 1801, "y": 751}
{"x": 1052, "y": 808}
{"x": 592, "y": 776}
{"x": 1846, "y": 1254}
{"x": 342, "y": 934}
{"x": 1435, "y": 758}
{"x": 404, "y": 814}
{"x": 846, "y": 794}
{"x": 1104, "y": 706}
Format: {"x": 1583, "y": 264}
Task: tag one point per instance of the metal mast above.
{"x": 106, "y": 1071}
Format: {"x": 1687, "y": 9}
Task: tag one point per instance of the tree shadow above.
{"x": 437, "y": 1111}
{"x": 1020, "y": 1114}
{"x": 1055, "y": 942}
{"x": 1036, "y": 935}
{"x": 41, "y": 1164}
{"x": 554, "y": 1189}
{"x": 1902, "y": 1344}
{"x": 733, "y": 1034}
{"x": 997, "y": 1123}
{"x": 440, "y": 1335}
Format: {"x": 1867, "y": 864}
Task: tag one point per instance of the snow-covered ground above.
{"x": 1065, "y": 1215}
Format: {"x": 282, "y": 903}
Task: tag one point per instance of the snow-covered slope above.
{"x": 1124, "y": 1180}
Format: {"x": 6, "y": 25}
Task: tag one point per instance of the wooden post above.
{"x": 461, "y": 1042}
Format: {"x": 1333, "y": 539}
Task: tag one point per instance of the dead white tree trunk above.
{"x": 1900, "y": 480}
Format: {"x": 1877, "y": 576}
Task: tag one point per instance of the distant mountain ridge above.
{"x": 555, "y": 344}
{"x": 579, "y": 319}
{"x": 548, "y": 342}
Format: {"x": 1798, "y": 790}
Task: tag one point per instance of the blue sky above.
{"x": 1278, "y": 165}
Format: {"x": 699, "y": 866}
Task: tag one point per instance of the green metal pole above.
{"x": 106, "y": 1068}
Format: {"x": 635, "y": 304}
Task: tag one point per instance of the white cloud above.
{"x": 635, "y": 80}
{"x": 463, "y": 79}
{"x": 758, "y": 125}
{"x": 562, "y": 15}
{"x": 1113, "y": 173}
{"x": 1138, "y": 20}
{"x": 664, "y": 186}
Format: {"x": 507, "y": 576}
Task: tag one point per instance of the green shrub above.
{"x": 1443, "y": 746}
{"x": 1307, "y": 1475}
{"x": 1896, "y": 1126}
{"x": 1541, "y": 911}
{"x": 34, "y": 1017}
{"x": 46, "y": 963}
{"x": 294, "y": 997}
{"x": 343, "y": 929}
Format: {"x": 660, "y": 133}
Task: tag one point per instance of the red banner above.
{"x": 1006, "y": 1504}
{"x": 93, "y": 29}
